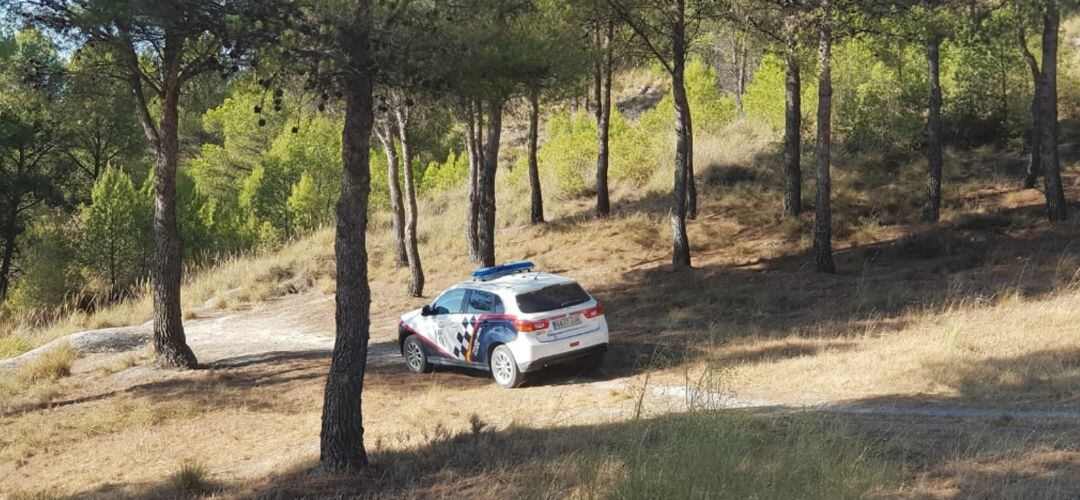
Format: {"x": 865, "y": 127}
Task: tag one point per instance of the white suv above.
{"x": 508, "y": 320}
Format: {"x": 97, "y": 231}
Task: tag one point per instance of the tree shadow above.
{"x": 977, "y": 459}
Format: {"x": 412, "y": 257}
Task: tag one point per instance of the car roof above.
{"x": 518, "y": 283}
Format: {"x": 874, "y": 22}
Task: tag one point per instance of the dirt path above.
{"x": 304, "y": 325}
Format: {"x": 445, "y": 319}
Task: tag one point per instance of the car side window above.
{"x": 450, "y": 302}
{"x": 484, "y": 303}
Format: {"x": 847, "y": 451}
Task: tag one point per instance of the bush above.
{"x": 191, "y": 478}
{"x": 729, "y": 175}
{"x": 439, "y": 177}
{"x": 51, "y": 365}
{"x": 49, "y": 273}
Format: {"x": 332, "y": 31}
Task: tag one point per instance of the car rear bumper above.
{"x": 564, "y": 357}
{"x": 531, "y": 354}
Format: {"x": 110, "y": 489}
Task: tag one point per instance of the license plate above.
{"x": 563, "y": 323}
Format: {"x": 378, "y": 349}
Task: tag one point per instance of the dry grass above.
{"x": 977, "y": 310}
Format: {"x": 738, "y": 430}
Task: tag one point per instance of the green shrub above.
{"x": 721, "y": 455}
{"x": 445, "y": 175}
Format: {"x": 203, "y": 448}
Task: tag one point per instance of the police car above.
{"x": 509, "y": 320}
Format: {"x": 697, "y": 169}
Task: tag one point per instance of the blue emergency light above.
{"x": 490, "y": 273}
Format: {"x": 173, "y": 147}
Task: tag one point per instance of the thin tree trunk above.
{"x": 342, "y": 436}
{"x": 603, "y": 153}
{"x": 416, "y": 285}
{"x": 683, "y": 144}
{"x": 10, "y": 234}
{"x": 1034, "y": 166}
{"x": 793, "y": 136}
{"x": 691, "y": 182}
{"x": 738, "y": 68}
{"x": 536, "y": 215}
{"x": 598, "y": 76}
{"x": 386, "y": 136}
{"x": 474, "y": 131}
{"x": 932, "y": 209}
{"x": 1056, "y": 207}
{"x": 823, "y": 259}
{"x": 486, "y": 219}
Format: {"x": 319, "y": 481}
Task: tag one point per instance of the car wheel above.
{"x": 415, "y": 357}
{"x": 504, "y": 368}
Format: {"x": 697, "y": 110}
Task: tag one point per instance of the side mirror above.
{"x": 426, "y": 311}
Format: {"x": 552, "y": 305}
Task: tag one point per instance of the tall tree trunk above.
{"x": 1056, "y": 207}
{"x": 691, "y": 182}
{"x": 793, "y": 136}
{"x": 170, "y": 344}
{"x": 536, "y": 215}
{"x": 738, "y": 55}
{"x": 598, "y": 75}
{"x": 342, "y": 436}
{"x": 823, "y": 258}
{"x": 486, "y": 220}
{"x": 1034, "y": 166}
{"x": 416, "y": 285}
{"x": 11, "y": 232}
{"x": 386, "y": 136}
{"x": 603, "y": 129}
{"x": 476, "y": 164}
{"x": 683, "y": 144}
{"x": 932, "y": 209}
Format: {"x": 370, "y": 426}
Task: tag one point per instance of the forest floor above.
{"x": 946, "y": 355}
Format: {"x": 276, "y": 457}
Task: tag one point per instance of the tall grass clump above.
{"x": 51, "y": 365}
{"x": 719, "y": 454}
{"x": 192, "y": 478}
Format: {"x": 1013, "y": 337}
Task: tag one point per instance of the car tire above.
{"x": 504, "y": 368}
{"x": 415, "y": 357}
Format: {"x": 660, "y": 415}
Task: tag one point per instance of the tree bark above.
{"x": 793, "y": 136}
{"x": 536, "y": 215}
{"x": 683, "y": 144}
{"x": 476, "y": 165}
{"x": 416, "y": 285}
{"x": 486, "y": 217}
{"x": 932, "y": 209}
{"x": 11, "y": 232}
{"x": 342, "y": 435}
{"x": 1056, "y": 207}
{"x": 1034, "y": 166}
{"x": 170, "y": 344}
{"x": 386, "y": 136}
{"x": 603, "y": 129}
{"x": 1035, "y": 160}
{"x": 598, "y": 76}
{"x": 823, "y": 259}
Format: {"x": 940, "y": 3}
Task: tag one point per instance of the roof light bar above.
{"x": 490, "y": 273}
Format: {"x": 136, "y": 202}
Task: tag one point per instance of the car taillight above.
{"x": 593, "y": 312}
{"x": 523, "y": 325}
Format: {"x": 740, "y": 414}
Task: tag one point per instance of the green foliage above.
{"x": 444, "y": 175}
{"x": 879, "y": 101}
{"x": 116, "y": 247}
{"x": 306, "y": 210}
{"x": 569, "y": 155}
{"x": 263, "y": 197}
{"x": 315, "y": 148}
{"x": 49, "y": 274}
{"x": 710, "y": 110}
{"x": 766, "y": 94}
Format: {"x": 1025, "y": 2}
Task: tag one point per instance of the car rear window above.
{"x": 552, "y": 298}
